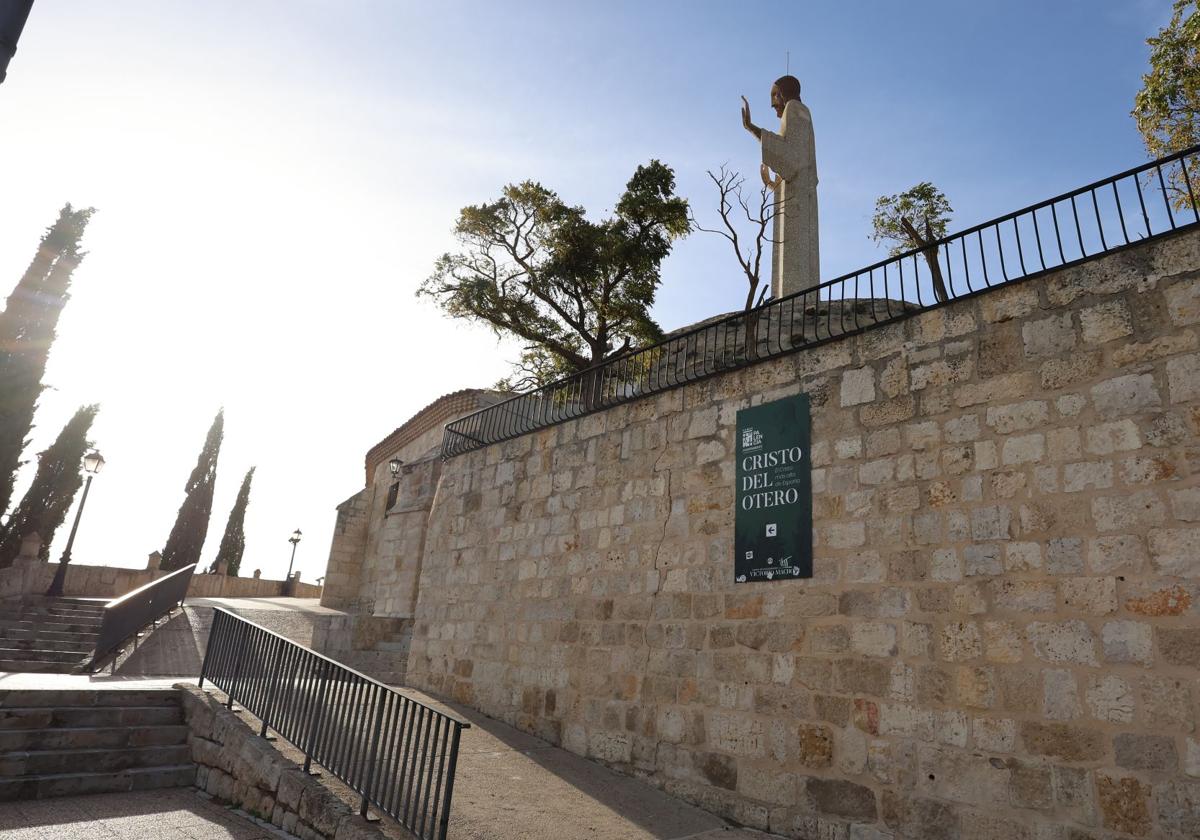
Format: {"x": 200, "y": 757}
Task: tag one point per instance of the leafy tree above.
{"x": 912, "y": 220}
{"x": 576, "y": 292}
{"x": 27, "y": 329}
{"x": 48, "y": 499}
{"x": 233, "y": 543}
{"x": 1167, "y": 108}
{"x": 191, "y": 525}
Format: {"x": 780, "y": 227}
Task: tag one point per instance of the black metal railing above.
{"x": 395, "y": 752}
{"x": 1149, "y": 201}
{"x": 128, "y": 615}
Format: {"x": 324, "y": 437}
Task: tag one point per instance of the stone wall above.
{"x": 375, "y": 557}
{"x": 343, "y": 572}
{"x": 1002, "y": 637}
{"x": 112, "y": 582}
{"x": 239, "y": 768}
{"x": 373, "y": 645}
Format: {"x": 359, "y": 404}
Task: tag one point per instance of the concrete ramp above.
{"x": 376, "y": 646}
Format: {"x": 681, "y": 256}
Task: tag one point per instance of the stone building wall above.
{"x": 375, "y": 556}
{"x": 1002, "y": 637}
{"x": 343, "y": 572}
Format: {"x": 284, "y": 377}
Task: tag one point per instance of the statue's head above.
{"x": 785, "y": 89}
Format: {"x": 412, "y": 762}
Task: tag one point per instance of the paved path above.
{"x": 513, "y": 786}
{"x": 305, "y": 605}
{"x": 59, "y": 682}
{"x": 173, "y": 814}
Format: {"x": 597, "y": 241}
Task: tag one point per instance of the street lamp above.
{"x": 394, "y": 465}
{"x": 294, "y": 539}
{"x": 92, "y": 462}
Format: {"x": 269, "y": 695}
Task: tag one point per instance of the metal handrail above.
{"x": 128, "y": 615}
{"x": 1056, "y": 233}
{"x": 397, "y": 753}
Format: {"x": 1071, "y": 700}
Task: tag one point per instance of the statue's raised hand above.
{"x": 746, "y": 123}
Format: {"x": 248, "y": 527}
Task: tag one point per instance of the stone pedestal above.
{"x": 31, "y": 547}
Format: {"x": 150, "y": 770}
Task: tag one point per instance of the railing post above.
{"x": 314, "y": 730}
{"x": 269, "y": 705}
{"x": 373, "y": 752}
{"x": 237, "y": 663}
{"x": 444, "y": 820}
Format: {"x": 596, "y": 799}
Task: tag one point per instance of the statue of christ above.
{"x": 792, "y": 156}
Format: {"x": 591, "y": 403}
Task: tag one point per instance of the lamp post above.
{"x": 92, "y": 462}
{"x": 294, "y": 539}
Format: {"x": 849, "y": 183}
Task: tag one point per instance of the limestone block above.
{"x": 1125, "y": 395}
{"x": 962, "y": 429}
{"x": 1124, "y": 804}
{"x": 1064, "y": 556}
{"x": 1018, "y": 417}
{"x": 1087, "y": 475}
{"x": 1024, "y": 596}
{"x": 1122, "y": 552}
{"x": 873, "y": 638}
{"x": 1110, "y": 699}
{"x": 1023, "y": 449}
{"x": 1051, "y": 336}
{"x": 1090, "y": 596}
{"x": 1106, "y": 322}
{"x": 1002, "y": 642}
{"x": 994, "y": 734}
{"x": 1069, "y": 405}
{"x": 1183, "y": 303}
{"x": 1176, "y": 551}
{"x": 1067, "y": 742}
{"x": 858, "y": 386}
{"x": 1009, "y": 302}
{"x": 960, "y": 641}
{"x": 1137, "y": 751}
{"x": 1183, "y": 378}
{"x": 1127, "y": 642}
{"x": 1063, "y": 641}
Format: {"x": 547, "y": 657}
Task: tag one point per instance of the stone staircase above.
{"x": 68, "y": 742}
{"x": 48, "y": 635}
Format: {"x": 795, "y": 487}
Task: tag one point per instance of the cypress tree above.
{"x": 27, "y": 329}
{"x": 191, "y": 525}
{"x": 48, "y": 499}
{"x": 233, "y": 544}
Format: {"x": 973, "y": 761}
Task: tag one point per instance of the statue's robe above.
{"x": 792, "y": 155}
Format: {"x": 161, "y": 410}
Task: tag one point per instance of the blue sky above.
{"x": 275, "y": 179}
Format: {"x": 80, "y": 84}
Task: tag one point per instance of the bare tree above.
{"x": 749, "y": 247}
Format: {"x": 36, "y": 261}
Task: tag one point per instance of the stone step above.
{"x": 35, "y": 666}
{"x": 73, "y": 645}
{"x": 46, "y": 717}
{"x": 55, "y": 626}
{"x": 92, "y": 737}
{"x": 73, "y": 784}
{"x": 49, "y": 635}
{"x": 36, "y": 653}
{"x": 108, "y": 697}
{"x": 65, "y": 603}
{"x": 111, "y": 760}
{"x": 54, "y": 617}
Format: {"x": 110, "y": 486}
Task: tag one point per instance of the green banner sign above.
{"x": 773, "y": 524}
